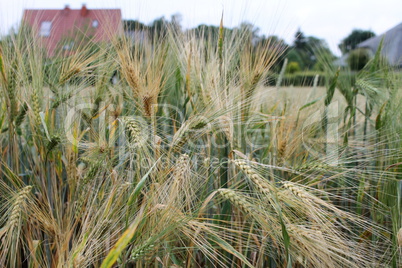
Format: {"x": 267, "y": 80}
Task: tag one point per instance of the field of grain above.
{"x": 187, "y": 160}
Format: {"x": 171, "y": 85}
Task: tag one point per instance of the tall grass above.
{"x": 189, "y": 161}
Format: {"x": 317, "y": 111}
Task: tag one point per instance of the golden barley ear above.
{"x": 13, "y": 220}
{"x": 148, "y": 102}
{"x": 237, "y": 200}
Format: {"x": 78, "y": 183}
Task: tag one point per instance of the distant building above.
{"x": 391, "y": 50}
{"x": 60, "y": 29}
{"x": 392, "y": 45}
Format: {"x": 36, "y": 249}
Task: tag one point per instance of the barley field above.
{"x": 172, "y": 152}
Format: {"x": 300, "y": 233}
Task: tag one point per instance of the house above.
{"x": 61, "y": 29}
{"x": 391, "y": 49}
{"x": 392, "y": 45}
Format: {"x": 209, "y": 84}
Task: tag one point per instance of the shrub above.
{"x": 358, "y": 59}
{"x": 293, "y": 67}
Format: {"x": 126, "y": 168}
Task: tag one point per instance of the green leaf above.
{"x": 121, "y": 244}
{"x": 309, "y": 104}
{"x": 331, "y": 89}
{"x": 140, "y": 185}
{"x": 378, "y": 122}
{"x": 228, "y": 248}
{"x": 375, "y": 64}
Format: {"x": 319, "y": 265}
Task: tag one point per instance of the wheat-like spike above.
{"x": 92, "y": 171}
{"x": 54, "y": 141}
{"x": 2, "y": 70}
{"x": 313, "y": 165}
{"x": 16, "y": 210}
{"x": 282, "y": 149}
{"x": 21, "y": 115}
{"x": 133, "y": 131}
{"x": 399, "y": 237}
{"x": 263, "y": 186}
{"x": 237, "y": 200}
{"x": 311, "y": 233}
{"x": 220, "y": 43}
{"x": 71, "y": 167}
{"x": 36, "y": 107}
{"x": 131, "y": 77}
{"x": 181, "y": 168}
{"x": 141, "y": 251}
{"x": 297, "y": 191}
{"x": 311, "y": 198}
{"x": 148, "y": 102}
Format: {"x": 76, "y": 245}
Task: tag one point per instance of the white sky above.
{"x": 330, "y": 20}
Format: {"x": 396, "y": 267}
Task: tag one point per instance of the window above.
{"x": 68, "y": 46}
{"x": 45, "y": 28}
{"x": 95, "y": 24}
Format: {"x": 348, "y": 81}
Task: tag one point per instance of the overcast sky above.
{"x": 329, "y": 20}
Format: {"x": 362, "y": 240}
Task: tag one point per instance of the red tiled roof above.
{"x": 101, "y": 24}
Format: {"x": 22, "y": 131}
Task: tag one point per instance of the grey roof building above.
{"x": 392, "y": 46}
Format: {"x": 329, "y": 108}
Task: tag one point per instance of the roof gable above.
{"x": 99, "y": 24}
{"x": 392, "y": 45}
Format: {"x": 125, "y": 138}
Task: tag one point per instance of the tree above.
{"x": 133, "y": 25}
{"x": 305, "y": 50}
{"x": 300, "y": 40}
{"x": 352, "y": 40}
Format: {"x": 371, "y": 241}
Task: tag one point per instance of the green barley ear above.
{"x": 132, "y": 131}
{"x": 92, "y": 171}
{"x": 36, "y": 107}
{"x": 220, "y": 43}
{"x": 54, "y": 141}
{"x": 2, "y": 71}
{"x": 21, "y": 115}
{"x": 141, "y": 251}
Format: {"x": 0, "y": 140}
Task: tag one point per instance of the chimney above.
{"x": 84, "y": 10}
{"x": 65, "y": 10}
